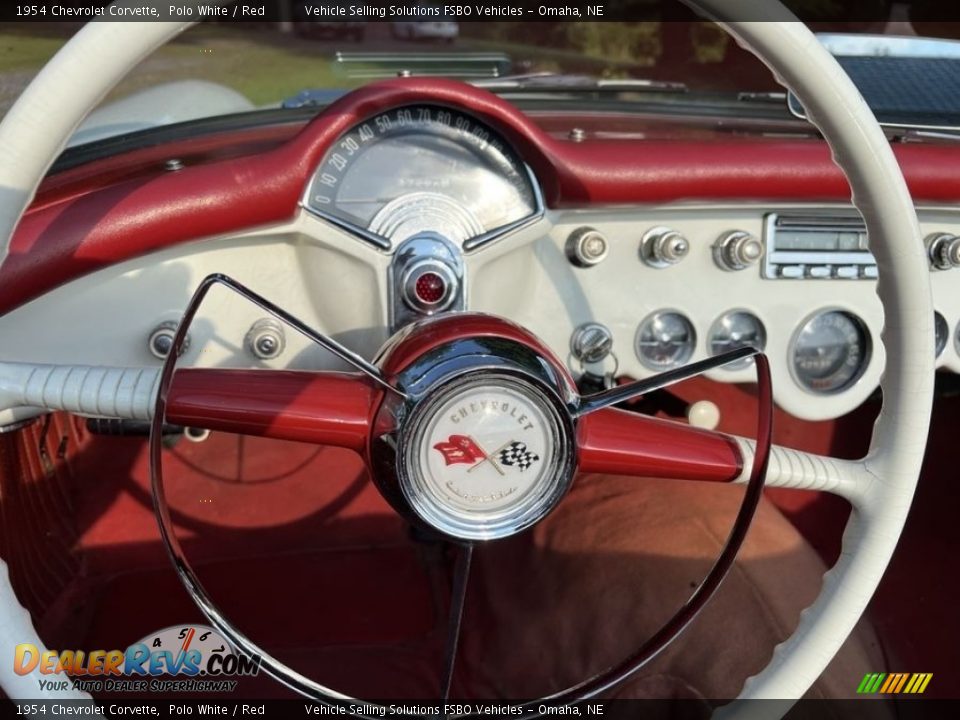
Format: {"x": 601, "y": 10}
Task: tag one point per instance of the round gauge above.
{"x": 941, "y": 332}
{"x": 665, "y": 340}
{"x": 830, "y": 352}
{"x": 735, "y": 330}
{"x": 422, "y": 168}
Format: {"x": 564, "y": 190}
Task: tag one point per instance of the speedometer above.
{"x": 423, "y": 169}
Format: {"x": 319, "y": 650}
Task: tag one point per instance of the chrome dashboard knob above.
{"x": 587, "y": 247}
{"x": 265, "y": 339}
{"x": 737, "y": 250}
{"x": 662, "y": 247}
{"x": 944, "y": 251}
{"x": 160, "y": 340}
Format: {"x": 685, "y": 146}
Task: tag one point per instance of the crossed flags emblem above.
{"x": 464, "y": 449}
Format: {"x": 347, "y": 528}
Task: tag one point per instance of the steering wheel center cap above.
{"x": 486, "y": 457}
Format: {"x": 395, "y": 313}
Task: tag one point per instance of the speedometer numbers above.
{"x": 422, "y": 168}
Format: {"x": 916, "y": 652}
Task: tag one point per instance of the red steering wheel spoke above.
{"x": 619, "y": 442}
{"x": 326, "y": 408}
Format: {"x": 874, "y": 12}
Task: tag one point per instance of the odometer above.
{"x": 422, "y": 168}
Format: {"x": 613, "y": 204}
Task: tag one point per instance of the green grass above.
{"x": 22, "y": 51}
{"x": 263, "y": 65}
{"x": 267, "y": 66}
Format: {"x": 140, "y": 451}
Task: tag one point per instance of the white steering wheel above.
{"x": 880, "y": 486}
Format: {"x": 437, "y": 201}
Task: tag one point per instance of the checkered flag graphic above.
{"x": 516, "y": 453}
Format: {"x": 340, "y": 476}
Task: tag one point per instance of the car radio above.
{"x": 809, "y": 246}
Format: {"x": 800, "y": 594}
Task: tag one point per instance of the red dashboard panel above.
{"x": 78, "y": 224}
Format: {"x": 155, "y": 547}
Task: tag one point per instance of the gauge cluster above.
{"x": 428, "y": 186}
{"x": 400, "y": 216}
{"x": 829, "y": 352}
{"x": 676, "y": 284}
{"x": 423, "y": 168}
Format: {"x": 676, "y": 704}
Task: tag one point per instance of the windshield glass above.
{"x": 219, "y": 68}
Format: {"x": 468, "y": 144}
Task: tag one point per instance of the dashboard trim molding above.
{"x": 62, "y": 239}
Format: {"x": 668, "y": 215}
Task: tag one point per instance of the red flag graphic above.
{"x": 460, "y": 449}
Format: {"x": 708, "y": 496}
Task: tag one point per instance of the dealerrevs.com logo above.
{"x": 180, "y": 658}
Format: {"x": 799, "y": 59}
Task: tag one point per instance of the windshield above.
{"x": 219, "y": 68}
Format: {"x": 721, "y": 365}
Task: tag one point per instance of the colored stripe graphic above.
{"x": 876, "y": 683}
{"x": 894, "y": 683}
{"x": 891, "y": 679}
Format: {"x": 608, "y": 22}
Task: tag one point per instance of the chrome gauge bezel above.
{"x": 470, "y": 132}
{"x": 941, "y": 333}
{"x": 867, "y": 354}
{"x": 691, "y": 347}
{"x": 715, "y": 327}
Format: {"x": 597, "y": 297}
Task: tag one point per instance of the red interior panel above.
{"x": 71, "y": 231}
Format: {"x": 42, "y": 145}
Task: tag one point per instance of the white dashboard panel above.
{"x": 339, "y": 285}
{"x": 552, "y": 296}
{"x": 107, "y": 317}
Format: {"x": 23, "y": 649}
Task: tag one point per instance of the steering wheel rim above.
{"x": 882, "y": 483}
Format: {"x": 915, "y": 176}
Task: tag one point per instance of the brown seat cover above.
{"x": 585, "y": 587}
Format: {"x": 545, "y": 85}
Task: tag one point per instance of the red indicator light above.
{"x": 430, "y": 288}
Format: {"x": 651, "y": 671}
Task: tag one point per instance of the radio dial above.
{"x": 737, "y": 250}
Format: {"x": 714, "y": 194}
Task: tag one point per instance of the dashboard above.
{"x": 422, "y": 207}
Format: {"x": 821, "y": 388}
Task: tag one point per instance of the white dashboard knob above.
{"x": 704, "y": 414}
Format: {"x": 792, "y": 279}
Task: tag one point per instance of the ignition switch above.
{"x": 591, "y": 344}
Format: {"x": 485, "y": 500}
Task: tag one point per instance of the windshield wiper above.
{"x": 529, "y": 84}
{"x": 460, "y": 65}
{"x": 553, "y": 82}
{"x": 906, "y": 135}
